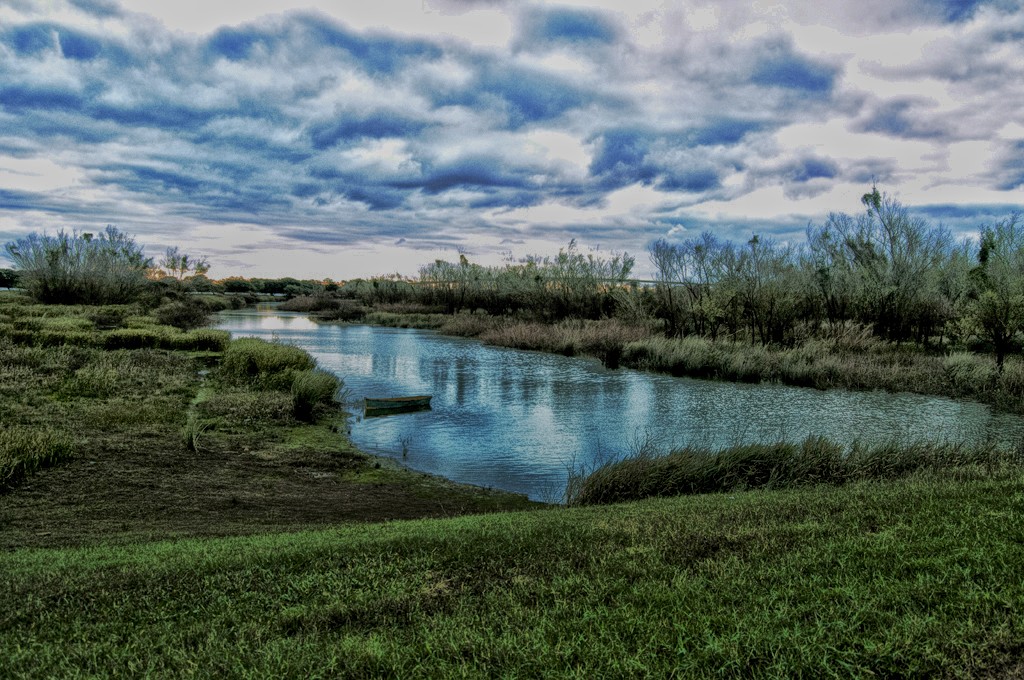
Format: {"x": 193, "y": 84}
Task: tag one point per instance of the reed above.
{"x": 816, "y": 460}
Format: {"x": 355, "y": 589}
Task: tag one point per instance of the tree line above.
{"x": 882, "y": 269}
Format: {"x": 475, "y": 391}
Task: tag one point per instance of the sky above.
{"x": 344, "y": 139}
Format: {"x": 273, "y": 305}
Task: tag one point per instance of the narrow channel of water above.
{"x": 518, "y": 420}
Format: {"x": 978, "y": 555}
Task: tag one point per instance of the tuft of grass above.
{"x": 698, "y": 470}
{"x": 193, "y": 432}
{"x": 25, "y": 449}
{"x": 311, "y": 390}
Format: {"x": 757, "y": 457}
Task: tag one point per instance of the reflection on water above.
{"x": 517, "y": 420}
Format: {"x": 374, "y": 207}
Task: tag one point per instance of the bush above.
{"x": 133, "y": 338}
{"x": 310, "y": 303}
{"x": 312, "y": 389}
{"x": 185, "y": 314}
{"x": 200, "y": 340}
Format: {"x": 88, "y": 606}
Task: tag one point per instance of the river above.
{"x": 518, "y": 421}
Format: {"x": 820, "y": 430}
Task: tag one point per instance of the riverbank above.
{"x": 850, "y": 360}
{"x": 101, "y": 444}
{"x": 917, "y": 578}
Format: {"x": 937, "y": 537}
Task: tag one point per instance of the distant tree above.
{"x": 237, "y": 285}
{"x": 996, "y": 302}
{"x": 180, "y": 265}
{"x": 79, "y": 268}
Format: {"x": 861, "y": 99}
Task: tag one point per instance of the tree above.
{"x": 180, "y": 265}
{"x": 888, "y": 261}
{"x": 996, "y": 302}
{"x": 80, "y": 268}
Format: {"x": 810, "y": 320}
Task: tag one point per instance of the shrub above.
{"x": 133, "y": 338}
{"x": 310, "y": 303}
{"x": 108, "y": 317}
{"x": 312, "y": 389}
{"x": 185, "y": 314}
{"x": 23, "y": 450}
{"x": 346, "y": 310}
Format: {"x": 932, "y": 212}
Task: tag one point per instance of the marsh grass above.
{"x": 257, "y": 362}
{"x": 816, "y": 460}
{"x": 313, "y": 390}
{"x": 246, "y": 407}
{"x": 604, "y": 339}
{"x": 25, "y": 449}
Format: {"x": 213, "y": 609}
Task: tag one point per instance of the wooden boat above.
{"x": 385, "y": 405}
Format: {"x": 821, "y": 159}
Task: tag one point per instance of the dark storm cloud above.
{"x": 640, "y": 155}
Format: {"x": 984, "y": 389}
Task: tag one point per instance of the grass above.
{"x": 313, "y": 390}
{"x": 912, "y": 579}
{"x": 24, "y": 450}
{"x": 256, "y": 361}
{"x": 697, "y": 470}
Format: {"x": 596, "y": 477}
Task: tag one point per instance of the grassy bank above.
{"x": 851, "y": 359}
{"x": 912, "y": 579}
{"x": 116, "y": 428}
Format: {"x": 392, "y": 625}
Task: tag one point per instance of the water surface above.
{"x": 518, "y": 420}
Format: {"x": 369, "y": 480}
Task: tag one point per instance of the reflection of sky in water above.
{"x": 516, "y": 420}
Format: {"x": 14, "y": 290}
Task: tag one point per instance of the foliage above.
{"x": 8, "y": 278}
{"x": 80, "y": 268}
{"x": 995, "y": 304}
{"x": 181, "y": 265}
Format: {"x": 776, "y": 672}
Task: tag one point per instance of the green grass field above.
{"x": 919, "y": 578}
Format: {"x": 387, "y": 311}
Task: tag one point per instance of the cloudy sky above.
{"x": 348, "y": 138}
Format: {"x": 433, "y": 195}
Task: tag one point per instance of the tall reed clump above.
{"x": 311, "y": 390}
{"x": 265, "y": 364}
{"x": 695, "y": 470}
{"x": 23, "y": 450}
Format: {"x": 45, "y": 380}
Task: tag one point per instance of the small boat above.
{"x": 385, "y": 405}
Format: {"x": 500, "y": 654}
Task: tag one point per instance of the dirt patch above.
{"x": 110, "y": 495}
